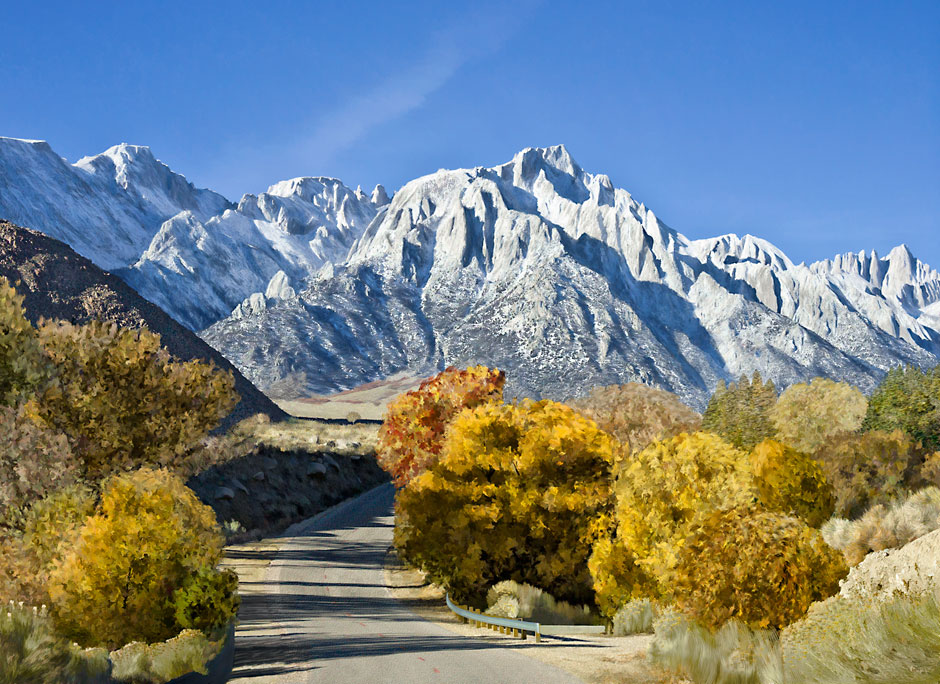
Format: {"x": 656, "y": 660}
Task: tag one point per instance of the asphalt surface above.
{"x": 322, "y": 613}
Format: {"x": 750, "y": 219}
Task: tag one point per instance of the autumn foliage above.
{"x": 520, "y": 492}
{"x": 116, "y": 582}
{"x": 762, "y": 568}
{"x": 806, "y": 414}
{"x": 666, "y": 491}
{"x": 637, "y": 414}
{"x": 791, "y": 483}
{"x": 124, "y": 402}
{"x": 412, "y": 434}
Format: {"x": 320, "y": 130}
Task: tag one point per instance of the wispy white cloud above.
{"x": 477, "y": 34}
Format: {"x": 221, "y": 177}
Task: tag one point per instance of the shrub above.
{"x": 907, "y": 399}
{"x": 791, "y": 482}
{"x": 32, "y": 653}
{"x": 149, "y": 535}
{"x": 887, "y": 641}
{"x": 513, "y": 600}
{"x": 24, "y": 367}
{"x": 207, "y": 600}
{"x": 412, "y": 434}
{"x": 636, "y": 617}
{"x": 734, "y": 654}
{"x": 637, "y": 414}
{"x": 520, "y": 492}
{"x": 867, "y": 469}
{"x": 124, "y": 402}
{"x": 740, "y": 413}
{"x": 806, "y": 414}
{"x": 666, "y": 491}
{"x": 47, "y": 527}
{"x": 759, "y": 567}
{"x": 34, "y": 462}
{"x": 883, "y": 527}
{"x": 140, "y": 663}
{"x": 616, "y": 575}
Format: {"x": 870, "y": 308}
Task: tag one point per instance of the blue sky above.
{"x": 814, "y": 125}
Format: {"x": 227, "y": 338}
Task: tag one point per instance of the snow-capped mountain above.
{"x": 106, "y": 207}
{"x": 535, "y": 266}
{"x": 199, "y": 271}
{"x": 562, "y": 280}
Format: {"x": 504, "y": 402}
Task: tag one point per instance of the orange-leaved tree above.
{"x": 412, "y": 435}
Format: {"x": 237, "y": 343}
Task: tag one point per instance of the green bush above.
{"x": 792, "y": 483}
{"x": 868, "y": 468}
{"x": 806, "y": 414}
{"x": 412, "y": 435}
{"x": 740, "y": 412}
{"x": 513, "y": 600}
{"x": 149, "y": 535}
{"x": 207, "y": 600}
{"x": 665, "y": 492}
{"x": 734, "y": 654}
{"x": 762, "y": 568}
{"x": 122, "y": 400}
{"x": 520, "y": 492}
{"x": 885, "y": 527}
{"x": 140, "y": 663}
{"x": 887, "y": 641}
{"x": 908, "y": 399}
{"x": 637, "y": 415}
{"x": 32, "y": 653}
{"x": 24, "y": 367}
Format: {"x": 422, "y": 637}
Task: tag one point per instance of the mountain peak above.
{"x": 533, "y": 159}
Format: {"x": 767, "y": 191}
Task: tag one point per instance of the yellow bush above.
{"x": 665, "y": 492}
{"x": 762, "y": 568}
{"x": 124, "y": 402}
{"x": 791, "y": 482}
{"x": 806, "y": 414}
{"x": 520, "y": 492}
{"x": 116, "y": 583}
{"x": 616, "y": 576}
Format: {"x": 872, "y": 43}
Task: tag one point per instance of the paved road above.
{"x": 323, "y": 614}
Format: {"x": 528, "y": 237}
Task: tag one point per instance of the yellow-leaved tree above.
{"x": 520, "y": 492}
{"x": 124, "y": 402}
{"x": 792, "y": 483}
{"x": 148, "y": 539}
{"x": 661, "y": 495}
{"x": 807, "y": 414}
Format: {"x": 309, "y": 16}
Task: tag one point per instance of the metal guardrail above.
{"x": 520, "y": 627}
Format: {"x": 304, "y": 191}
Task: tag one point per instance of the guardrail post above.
{"x": 538, "y": 637}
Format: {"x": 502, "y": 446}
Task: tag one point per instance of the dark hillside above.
{"x": 59, "y": 283}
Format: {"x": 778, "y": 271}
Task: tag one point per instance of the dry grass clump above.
{"x": 868, "y": 641}
{"x": 511, "y": 599}
{"x": 32, "y": 653}
{"x": 141, "y": 663}
{"x": 636, "y": 617}
{"x": 734, "y": 654}
{"x": 885, "y": 527}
